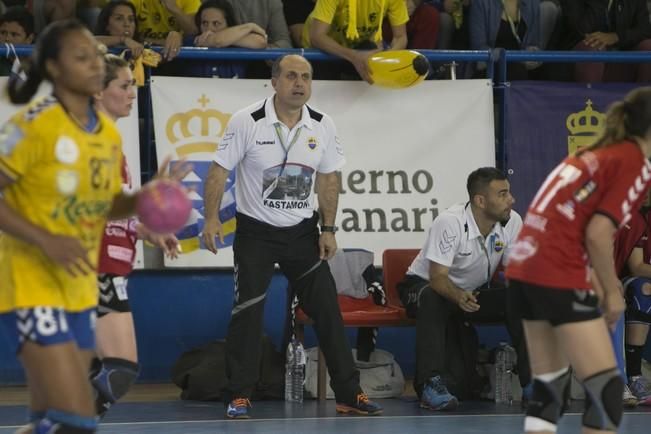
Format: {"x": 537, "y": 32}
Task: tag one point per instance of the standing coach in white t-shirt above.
{"x": 451, "y": 277}
{"x": 281, "y": 147}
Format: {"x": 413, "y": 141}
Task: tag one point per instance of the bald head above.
{"x": 292, "y": 80}
{"x": 288, "y": 60}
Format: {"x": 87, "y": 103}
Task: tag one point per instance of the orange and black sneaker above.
{"x": 238, "y": 408}
{"x": 363, "y": 406}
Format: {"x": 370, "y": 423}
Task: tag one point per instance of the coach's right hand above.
{"x": 67, "y": 252}
{"x": 212, "y": 228}
{"x": 467, "y": 301}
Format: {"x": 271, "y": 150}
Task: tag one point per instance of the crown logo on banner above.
{"x": 197, "y": 130}
{"x": 584, "y": 127}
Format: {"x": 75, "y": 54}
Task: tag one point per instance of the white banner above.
{"x": 130, "y": 141}
{"x": 408, "y": 152}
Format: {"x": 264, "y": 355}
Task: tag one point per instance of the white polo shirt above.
{"x": 454, "y": 241}
{"x": 277, "y": 193}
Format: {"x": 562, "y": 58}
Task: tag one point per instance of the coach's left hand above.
{"x": 327, "y": 245}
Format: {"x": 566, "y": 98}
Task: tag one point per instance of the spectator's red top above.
{"x": 550, "y": 250}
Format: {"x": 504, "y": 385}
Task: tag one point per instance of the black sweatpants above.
{"x": 432, "y": 315}
{"x": 257, "y": 247}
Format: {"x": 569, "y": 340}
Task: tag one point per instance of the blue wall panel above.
{"x": 179, "y": 310}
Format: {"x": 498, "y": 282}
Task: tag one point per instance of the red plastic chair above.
{"x": 364, "y": 312}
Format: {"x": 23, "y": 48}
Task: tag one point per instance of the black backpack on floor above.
{"x": 201, "y": 373}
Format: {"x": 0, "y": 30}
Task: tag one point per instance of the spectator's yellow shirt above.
{"x": 369, "y": 19}
{"x": 155, "y": 21}
{"x": 64, "y": 180}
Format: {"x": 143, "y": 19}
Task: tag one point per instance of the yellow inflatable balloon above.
{"x": 398, "y": 69}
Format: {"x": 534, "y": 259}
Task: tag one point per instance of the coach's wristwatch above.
{"x": 332, "y": 229}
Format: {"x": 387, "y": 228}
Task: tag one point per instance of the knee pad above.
{"x": 603, "y": 400}
{"x": 546, "y": 405}
{"x": 114, "y": 379}
{"x": 638, "y": 303}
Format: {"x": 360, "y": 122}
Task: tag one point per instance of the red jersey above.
{"x": 550, "y": 250}
{"x": 628, "y": 238}
{"x": 119, "y": 241}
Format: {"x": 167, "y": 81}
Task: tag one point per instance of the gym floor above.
{"x": 157, "y": 409}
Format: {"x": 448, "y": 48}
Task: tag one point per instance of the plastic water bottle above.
{"x": 294, "y": 371}
{"x": 505, "y": 360}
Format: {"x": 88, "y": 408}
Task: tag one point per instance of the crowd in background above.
{"x": 584, "y": 25}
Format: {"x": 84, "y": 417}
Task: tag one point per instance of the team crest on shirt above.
{"x": 66, "y": 150}
{"x": 10, "y": 135}
{"x": 499, "y": 245}
{"x": 311, "y": 142}
{"x": 67, "y": 182}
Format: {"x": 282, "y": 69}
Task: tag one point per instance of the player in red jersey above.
{"x": 569, "y": 230}
{"x": 636, "y": 274}
{"x": 116, "y": 367}
{"x": 630, "y": 335}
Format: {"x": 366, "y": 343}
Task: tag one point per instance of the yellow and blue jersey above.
{"x": 64, "y": 181}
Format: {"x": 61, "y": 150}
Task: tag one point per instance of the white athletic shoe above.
{"x": 629, "y": 400}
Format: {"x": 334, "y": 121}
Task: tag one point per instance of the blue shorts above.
{"x": 46, "y": 325}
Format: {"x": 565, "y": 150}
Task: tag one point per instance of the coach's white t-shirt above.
{"x": 454, "y": 241}
{"x": 277, "y": 193}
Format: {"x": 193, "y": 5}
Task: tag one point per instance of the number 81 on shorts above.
{"x": 47, "y": 325}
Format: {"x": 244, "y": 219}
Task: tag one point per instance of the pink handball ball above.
{"x": 163, "y": 206}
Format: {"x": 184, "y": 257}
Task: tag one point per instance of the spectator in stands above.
{"x": 88, "y": 11}
{"x": 451, "y": 277}
{"x": 422, "y": 27}
{"x": 296, "y": 13}
{"x": 16, "y": 27}
{"x": 550, "y": 14}
{"x": 508, "y": 24}
{"x": 453, "y": 34}
{"x": 117, "y": 27}
{"x": 268, "y": 14}
{"x": 598, "y": 25}
{"x": 47, "y": 11}
{"x": 352, "y": 29}
{"x": 11, "y": 3}
{"x": 216, "y": 22}
{"x": 453, "y": 23}
{"x": 163, "y": 22}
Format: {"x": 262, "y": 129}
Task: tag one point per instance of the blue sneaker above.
{"x": 436, "y": 397}
{"x": 238, "y": 408}
{"x": 641, "y": 389}
{"x": 363, "y": 406}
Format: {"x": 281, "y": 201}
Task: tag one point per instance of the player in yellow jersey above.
{"x": 60, "y": 177}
